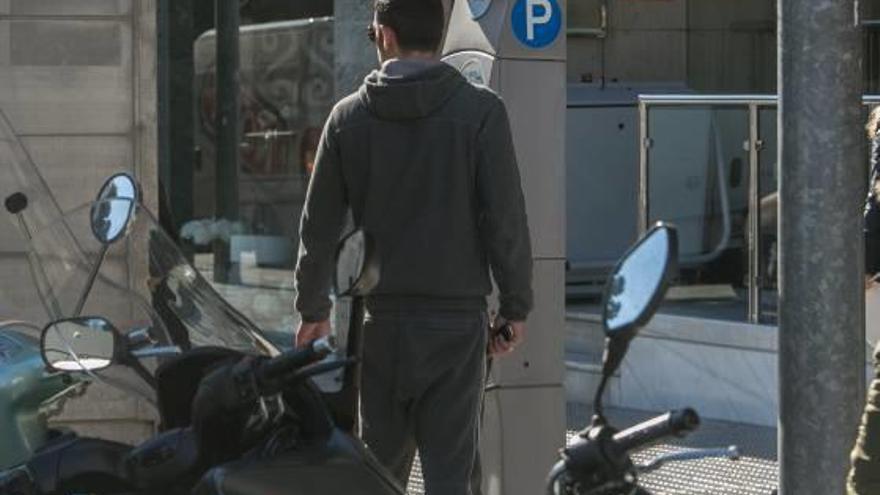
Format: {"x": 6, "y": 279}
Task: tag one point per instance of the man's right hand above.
{"x": 308, "y": 332}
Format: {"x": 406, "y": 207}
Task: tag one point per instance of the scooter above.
{"x": 237, "y": 416}
{"x": 599, "y": 461}
{"x": 29, "y": 394}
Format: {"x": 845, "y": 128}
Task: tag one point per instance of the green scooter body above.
{"x": 25, "y": 387}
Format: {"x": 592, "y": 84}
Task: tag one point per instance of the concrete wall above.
{"x": 732, "y": 45}
{"x": 724, "y": 370}
{"x": 78, "y": 82}
{"x": 713, "y": 45}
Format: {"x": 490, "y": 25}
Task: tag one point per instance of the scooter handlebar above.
{"x": 295, "y": 359}
{"x": 673, "y": 423}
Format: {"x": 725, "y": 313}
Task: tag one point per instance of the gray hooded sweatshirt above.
{"x": 425, "y": 162}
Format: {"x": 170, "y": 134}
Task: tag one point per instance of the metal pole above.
{"x": 176, "y": 126}
{"x": 354, "y": 55}
{"x": 227, "y": 125}
{"x": 754, "y": 225}
{"x": 821, "y": 331}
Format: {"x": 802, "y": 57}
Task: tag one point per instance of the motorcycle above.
{"x": 598, "y": 461}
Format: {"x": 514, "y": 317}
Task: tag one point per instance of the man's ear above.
{"x": 388, "y": 39}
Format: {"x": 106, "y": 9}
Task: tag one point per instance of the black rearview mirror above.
{"x": 633, "y": 293}
{"x": 79, "y": 344}
{"x": 639, "y": 282}
{"x": 357, "y": 265}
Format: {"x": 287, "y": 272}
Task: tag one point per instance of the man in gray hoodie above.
{"x": 425, "y": 162}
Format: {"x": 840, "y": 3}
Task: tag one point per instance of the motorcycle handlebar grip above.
{"x": 673, "y": 423}
{"x": 294, "y": 359}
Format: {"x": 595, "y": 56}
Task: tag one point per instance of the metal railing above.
{"x": 753, "y": 103}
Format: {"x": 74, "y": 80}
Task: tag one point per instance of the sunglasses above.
{"x": 371, "y": 33}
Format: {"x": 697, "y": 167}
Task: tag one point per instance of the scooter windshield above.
{"x": 20, "y": 176}
{"x": 30, "y": 204}
{"x": 137, "y": 279}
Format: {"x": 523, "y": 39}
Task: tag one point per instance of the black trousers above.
{"x": 422, "y": 389}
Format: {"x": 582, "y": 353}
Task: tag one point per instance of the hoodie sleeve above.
{"x": 505, "y": 227}
{"x": 320, "y": 227}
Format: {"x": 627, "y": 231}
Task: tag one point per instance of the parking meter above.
{"x": 518, "y": 48}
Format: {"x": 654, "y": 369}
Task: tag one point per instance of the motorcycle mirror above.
{"x": 639, "y": 282}
{"x": 113, "y": 207}
{"x": 79, "y": 344}
{"x": 119, "y": 186}
{"x": 357, "y": 265}
{"x": 632, "y": 295}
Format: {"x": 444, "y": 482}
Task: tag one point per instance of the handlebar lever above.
{"x": 292, "y": 361}
{"x": 321, "y": 368}
{"x": 731, "y": 452}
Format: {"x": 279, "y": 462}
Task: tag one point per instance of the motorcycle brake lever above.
{"x": 731, "y": 453}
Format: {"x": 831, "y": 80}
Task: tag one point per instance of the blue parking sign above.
{"x": 536, "y": 23}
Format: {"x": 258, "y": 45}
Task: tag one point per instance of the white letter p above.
{"x": 532, "y": 19}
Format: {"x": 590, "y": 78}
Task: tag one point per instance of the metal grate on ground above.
{"x": 755, "y": 473}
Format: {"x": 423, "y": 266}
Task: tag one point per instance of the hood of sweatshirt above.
{"x": 409, "y": 89}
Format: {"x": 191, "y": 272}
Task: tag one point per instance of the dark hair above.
{"x": 417, "y": 23}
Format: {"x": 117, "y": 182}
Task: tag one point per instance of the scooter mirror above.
{"x": 113, "y": 207}
{"x": 79, "y": 344}
{"x": 639, "y": 282}
{"x": 119, "y": 186}
{"x": 110, "y": 219}
{"x": 357, "y": 265}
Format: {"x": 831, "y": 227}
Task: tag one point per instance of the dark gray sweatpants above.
{"x": 422, "y": 387}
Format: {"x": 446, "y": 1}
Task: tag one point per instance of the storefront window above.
{"x": 242, "y": 228}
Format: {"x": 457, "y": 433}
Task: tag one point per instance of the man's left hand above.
{"x": 308, "y": 332}
{"x": 498, "y": 346}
